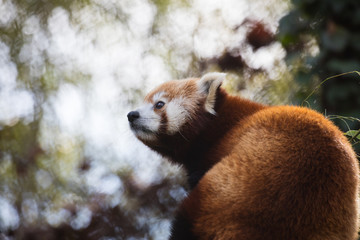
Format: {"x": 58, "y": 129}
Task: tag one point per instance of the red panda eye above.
{"x": 159, "y": 104}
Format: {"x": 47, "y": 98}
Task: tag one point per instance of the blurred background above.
{"x": 70, "y": 168}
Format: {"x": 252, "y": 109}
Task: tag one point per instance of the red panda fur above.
{"x": 262, "y": 172}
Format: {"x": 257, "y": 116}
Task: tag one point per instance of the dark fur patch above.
{"x": 163, "y": 123}
{"x": 181, "y": 229}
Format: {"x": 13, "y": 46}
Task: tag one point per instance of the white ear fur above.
{"x": 208, "y": 85}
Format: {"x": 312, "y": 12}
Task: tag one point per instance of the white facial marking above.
{"x": 158, "y": 96}
{"x": 145, "y": 136}
{"x": 176, "y": 115}
{"x": 148, "y": 124}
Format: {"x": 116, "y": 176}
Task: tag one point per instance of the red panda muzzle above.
{"x": 133, "y": 115}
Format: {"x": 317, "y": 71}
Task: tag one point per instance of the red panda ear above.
{"x": 208, "y": 85}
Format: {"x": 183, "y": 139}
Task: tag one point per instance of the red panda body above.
{"x": 256, "y": 172}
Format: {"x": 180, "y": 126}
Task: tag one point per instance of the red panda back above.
{"x": 290, "y": 174}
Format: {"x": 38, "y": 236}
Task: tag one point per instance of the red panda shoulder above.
{"x": 288, "y": 173}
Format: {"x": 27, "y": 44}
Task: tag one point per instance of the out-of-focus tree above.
{"x": 322, "y": 39}
{"x": 53, "y": 185}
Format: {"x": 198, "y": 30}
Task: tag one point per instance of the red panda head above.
{"x": 174, "y": 106}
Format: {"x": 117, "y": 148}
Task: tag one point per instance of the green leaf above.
{"x": 353, "y": 134}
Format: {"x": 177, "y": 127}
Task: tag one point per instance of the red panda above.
{"x": 255, "y": 171}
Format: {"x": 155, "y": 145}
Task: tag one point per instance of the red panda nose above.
{"x": 133, "y": 115}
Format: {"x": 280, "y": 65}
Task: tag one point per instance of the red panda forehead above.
{"x": 174, "y": 89}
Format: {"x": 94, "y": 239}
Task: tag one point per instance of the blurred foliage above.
{"x": 333, "y": 26}
{"x": 273, "y": 86}
{"x": 43, "y": 188}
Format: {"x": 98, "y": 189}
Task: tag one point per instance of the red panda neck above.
{"x": 207, "y": 148}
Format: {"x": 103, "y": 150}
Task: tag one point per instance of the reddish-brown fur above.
{"x": 262, "y": 172}
{"x": 289, "y": 174}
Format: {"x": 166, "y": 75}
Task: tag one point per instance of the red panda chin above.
{"x": 142, "y": 132}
